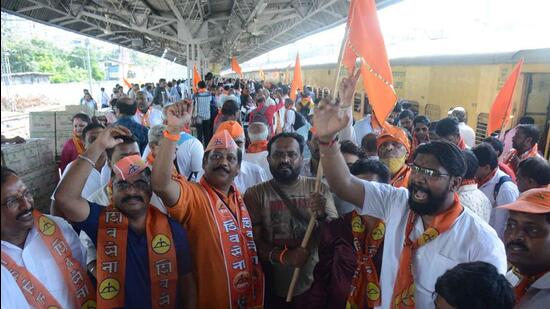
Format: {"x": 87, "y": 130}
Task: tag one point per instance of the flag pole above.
{"x": 318, "y": 178}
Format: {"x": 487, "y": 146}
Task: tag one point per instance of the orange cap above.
{"x": 534, "y": 201}
{"x": 221, "y": 140}
{"x": 129, "y": 166}
{"x": 233, "y": 127}
{"x": 394, "y": 134}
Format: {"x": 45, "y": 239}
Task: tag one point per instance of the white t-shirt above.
{"x": 37, "y": 259}
{"x": 362, "y": 128}
{"x": 469, "y": 239}
{"x": 94, "y": 182}
{"x": 290, "y": 118}
{"x": 507, "y": 194}
{"x": 468, "y": 134}
{"x": 259, "y": 158}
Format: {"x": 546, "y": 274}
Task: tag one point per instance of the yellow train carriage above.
{"x": 435, "y": 84}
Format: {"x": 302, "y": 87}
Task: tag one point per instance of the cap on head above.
{"x": 535, "y": 201}
{"x": 232, "y": 127}
{"x": 221, "y": 140}
{"x": 129, "y": 166}
{"x": 394, "y": 134}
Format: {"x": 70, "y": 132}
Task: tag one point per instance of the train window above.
{"x": 326, "y": 92}
{"x": 433, "y": 112}
{"x": 357, "y": 103}
{"x": 481, "y": 127}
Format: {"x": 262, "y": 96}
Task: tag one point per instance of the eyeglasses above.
{"x": 216, "y": 156}
{"x": 278, "y": 155}
{"x": 13, "y": 202}
{"x": 141, "y": 185}
{"x": 426, "y": 171}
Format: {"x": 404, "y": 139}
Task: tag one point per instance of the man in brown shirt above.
{"x": 280, "y": 210}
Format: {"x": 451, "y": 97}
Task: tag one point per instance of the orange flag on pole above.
{"x": 297, "y": 79}
{"x": 196, "y": 79}
{"x": 127, "y": 83}
{"x": 366, "y": 42}
{"x": 502, "y": 106}
{"x": 235, "y": 66}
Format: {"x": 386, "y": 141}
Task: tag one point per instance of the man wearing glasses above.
{"x": 427, "y": 229}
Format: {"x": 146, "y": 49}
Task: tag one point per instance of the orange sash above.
{"x": 365, "y": 273}
{"x": 524, "y": 284}
{"x": 257, "y": 146}
{"x": 75, "y": 276}
{"x": 533, "y": 152}
{"x": 145, "y": 117}
{"x": 245, "y": 278}
{"x": 79, "y": 145}
{"x": 401, "y": 179}
{"x": 111, "y": 259}
{"x": 404, "y": 288}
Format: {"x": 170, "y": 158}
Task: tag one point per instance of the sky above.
{"x": 433, "y": 27}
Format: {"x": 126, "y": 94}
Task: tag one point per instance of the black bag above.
{"x": 299, "y": 121}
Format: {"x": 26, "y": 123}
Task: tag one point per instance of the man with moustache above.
{"x": 226, "y": 265}
{"x": 280, "y": 211}
{"x": 143, "y": 257}
{"x": 34, "y": 247}
{"x": 426, "y": 226}
{"x": 393, "y": 149}
{"x": 527, "y": 238}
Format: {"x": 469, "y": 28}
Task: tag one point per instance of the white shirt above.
{"x": 507, "y": 193}
{"x": 259, "y": 158}
{"x": 37, "y": 259}
{"x": 94, "y": 182}
{"x": 470, "y": 196}
{"x": 189, "y": 156}
{"x": 468, "y": 134}
{"x": 469, "y": 239}
{"x": 362, "y": 128}
{"x": 104, "y": 99}
{"x": 537, "y": 295}
{"x": 290, "y": 118}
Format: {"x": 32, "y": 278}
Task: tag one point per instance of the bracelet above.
{"x": 92, "y": 163}
{"x": 271, "y": 256}
{"x": 329, "y": 144}
{"x": 171, "y": 137}
{"x": 282, "y": 255}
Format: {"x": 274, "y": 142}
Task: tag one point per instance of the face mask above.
{"x": 394, "y": 164}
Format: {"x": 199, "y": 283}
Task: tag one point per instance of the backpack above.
{"x": 499, "y": 184}
{"x": 259, "y": 116}
{"x": 299, "y": 121}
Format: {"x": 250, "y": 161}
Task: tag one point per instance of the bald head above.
{"x": 257, "y": 131}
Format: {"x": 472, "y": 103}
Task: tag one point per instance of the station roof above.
{"x": 219, "y": 28}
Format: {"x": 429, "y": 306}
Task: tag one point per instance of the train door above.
{"x": 536, "y": 103}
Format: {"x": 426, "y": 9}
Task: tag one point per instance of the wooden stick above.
{"x": 319, "y": 175}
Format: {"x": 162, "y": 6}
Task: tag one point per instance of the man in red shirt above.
{"x": 264, "y": 113}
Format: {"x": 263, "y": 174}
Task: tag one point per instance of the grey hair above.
{"x": 155, "y": 134}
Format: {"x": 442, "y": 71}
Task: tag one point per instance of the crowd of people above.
{"x": 182, "y": 199}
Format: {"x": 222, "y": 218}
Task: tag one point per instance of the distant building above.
{"x": 27, "y": 78}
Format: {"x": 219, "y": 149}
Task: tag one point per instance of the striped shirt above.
{"x": 202, "y": 104}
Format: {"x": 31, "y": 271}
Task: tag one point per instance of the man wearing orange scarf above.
{"x": 447, "y": 128}
{"x": 525, "y": 145}
{"x": 257, "y": 150}
{"x": 226, "y": 267}
{"x": 129, "y": 234}
{"x": 527, "y": 239}
{"x": 393, "y": 149}
{"x": 428, "y": 230}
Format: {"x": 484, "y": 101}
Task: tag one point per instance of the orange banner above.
{"x": 235, "y": 66}
{"x": 297, "y": 83}
{"x": 502, "y": 106}
{"x": 366, "y": 42}
{"x": 196, "y": 79}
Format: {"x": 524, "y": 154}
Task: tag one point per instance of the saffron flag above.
{"x": 235, "y": 66}
{"x": 196, "y": 79}
{"x": 297, "y": 79}
{"x": 365, "y": 42}
{"x": 502, "y": 106}
{"x": 127, "y": 83}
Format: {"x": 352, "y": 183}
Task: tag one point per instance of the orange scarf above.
{"x": 75, "y": 276}
{"x": 484, "y": 180}
{"x": 257, "y": 146}
{"x": 401, "y": 178}
{"x": 524, "y": 284}
{"x": 79, "y": 145}
{"x": 111, "y": 259}
{"x": 145, "y": 117}
{"x": 466, "y": 182}
{"x": 461, "y": 144}
{"x": 404, "y": 288}
{"x": 244, "y": 274}
{"x": 533, "y": 152}
{"x": 365, "y": 279}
